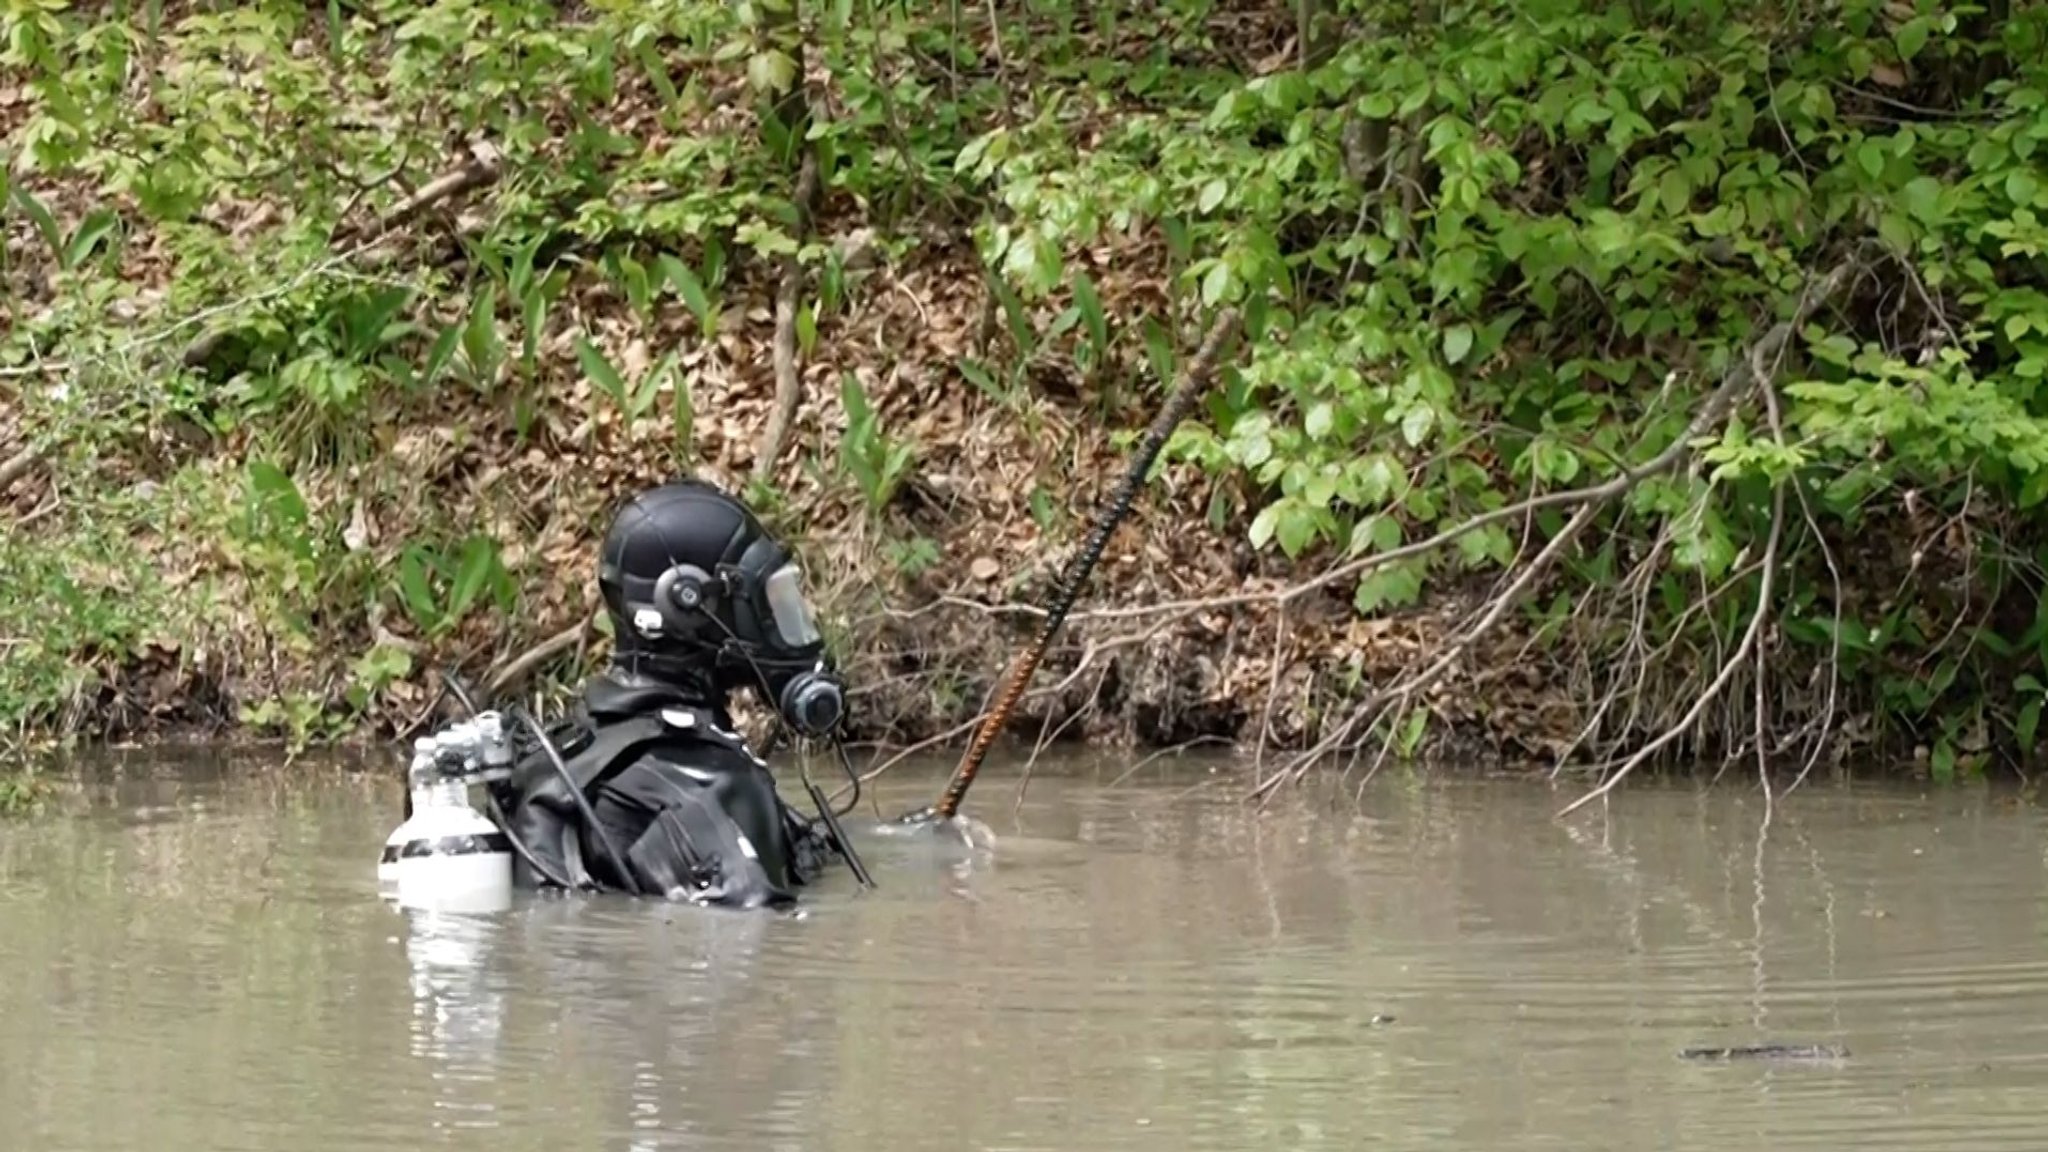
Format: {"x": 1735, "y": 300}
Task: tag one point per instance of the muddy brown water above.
{"x": 199, "y": 960}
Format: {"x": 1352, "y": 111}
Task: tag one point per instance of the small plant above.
{"x": 24, "y": 792}
{"x": 440, "y": 588}
{"x": 876, "y": 462}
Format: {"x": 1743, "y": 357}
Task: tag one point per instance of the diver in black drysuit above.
{"x": 703, "y": 602}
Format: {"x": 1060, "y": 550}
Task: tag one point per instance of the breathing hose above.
{"x": 597, "y": 828}
{"x": 450, "y": 683}
{"x": 826, "y": 814}
{"x": 1068, "y": 589}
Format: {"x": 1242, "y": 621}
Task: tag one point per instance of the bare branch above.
{"x": 788, "y": 297}
{"x": 517, "y": 668}
{"x": 15, "y": 467}
{"x": 482, "y": 168}
{"x": 1728, "y": 667}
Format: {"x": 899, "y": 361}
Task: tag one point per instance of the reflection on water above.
{"x": 204, "y": 964}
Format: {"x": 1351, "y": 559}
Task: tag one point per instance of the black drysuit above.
{"x": 691, "y": 810}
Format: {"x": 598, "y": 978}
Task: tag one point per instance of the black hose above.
{"x": 451, "y": 683}
{"x": 838, "y": 834}
{"x": 597, "y": 828}
{"x": 852, "y": 776}
{"x": 826, "y": 814}
{"x": 505, "y": 825}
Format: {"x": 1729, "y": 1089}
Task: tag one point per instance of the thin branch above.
{"x": 1739, "y": 380}
{"x": 517, "y": 668}
{"x": 17, "y": 466}
{"x": 1728, "y": 667}
{"x": 1746, "y": 374}
{"x": 483, "y": 167}
{"x": 788, "y": 298}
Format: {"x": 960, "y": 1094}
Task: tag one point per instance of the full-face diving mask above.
{"x": 812, "y": 700}
{"x": 763, "y": 630}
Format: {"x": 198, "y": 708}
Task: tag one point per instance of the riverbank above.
{"x": 1580, "y": 413}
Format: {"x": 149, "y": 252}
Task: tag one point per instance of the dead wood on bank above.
{"x": 1754, "y": 372}
{"x": 788, "y": 300}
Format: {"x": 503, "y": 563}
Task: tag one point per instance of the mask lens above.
{"x": 785, "y": 591}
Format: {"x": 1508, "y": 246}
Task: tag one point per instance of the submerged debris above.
{"x": 1766, "y": 1052}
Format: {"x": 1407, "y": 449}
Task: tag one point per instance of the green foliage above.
{"x": 79, "y": 610}
{"x": 1505, "y": 251}
{"x": 877, "y": 462}
{"x": 23, "y": 793}
{"x": 1485, "y": 251}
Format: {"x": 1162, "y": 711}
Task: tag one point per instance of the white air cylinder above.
{"x": 451, "y": 858}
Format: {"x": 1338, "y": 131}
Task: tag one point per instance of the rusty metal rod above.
{"x": 1193, "y": 384}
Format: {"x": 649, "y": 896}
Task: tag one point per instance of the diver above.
{"x": 669, "y": 800}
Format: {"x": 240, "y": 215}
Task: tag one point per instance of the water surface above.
{"x": 195, "y": 960}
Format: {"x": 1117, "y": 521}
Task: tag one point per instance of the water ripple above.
{"x": 1449, "y": 973}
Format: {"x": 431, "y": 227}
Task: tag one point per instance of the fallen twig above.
{"x": 1046, "y": 739}
{"x": 788, "y": 297}
{"x": 515, "y": 669}
{"x": 1170, "y": 750}
{"x": 17, "y": 466}
{"x": 482, "y": 168}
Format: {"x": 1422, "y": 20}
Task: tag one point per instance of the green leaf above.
{"x": 685, "y": 411}
{"x": 2021, "y": 186}
{"x": 1912, "y": 36}
{"x": 1376, "y": 533}
{"x": 1394, "y": 586}
{"x": 274, "y": 489}
{"x": 1416, "y": 424}
{"x": 1212, "y": 194}
{"x": 2028, "y": 724}
{"x": 1457, "y": 342}
{"x": 414, "y": 589}
{"x": 439, "y": 355}
{"x": 1296, "y": 529}
{"x": 53, "y": 234}
{"x": 1216, "y": 284}
{"x": 600, "y": 370}
{"x": 1090, "y": 304}
{"x": 1674, "y": 191}
{"x": 771, "y": 71}
{"x": 1322, "y": 416}
{"x": 1263, "y": 525}
{"x": 1943, "y": 765}
{"x": 807, "y": 329}
{"x": 1411, "y": 732}
{"x": 94, "y": 228}
{"x": 1923, "y": 198}
{"x": 479, "y": 559}
{"x": 690, "y": 290}
{"x": 979, "y": 377}
{"x": 480, "y": 343}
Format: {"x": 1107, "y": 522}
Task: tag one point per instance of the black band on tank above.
{"x": 471, "y": 845}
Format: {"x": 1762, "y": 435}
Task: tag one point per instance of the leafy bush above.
{"x": 1487, "y": 250}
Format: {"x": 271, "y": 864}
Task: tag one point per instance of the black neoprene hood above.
{"x": 689, "y": 522}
